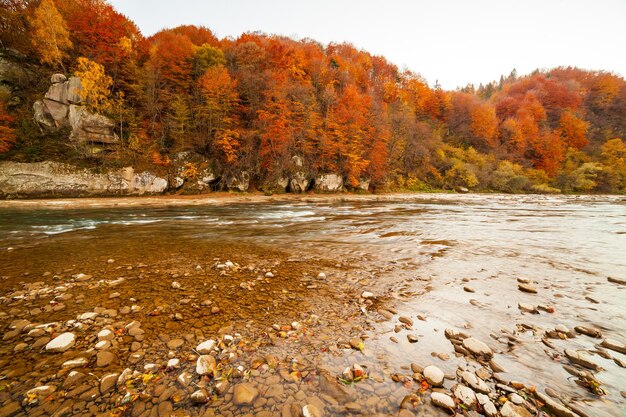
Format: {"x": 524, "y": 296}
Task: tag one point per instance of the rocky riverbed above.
{"x": 272, "y": 319}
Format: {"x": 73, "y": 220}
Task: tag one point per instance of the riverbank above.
{"x": 281, "y": 307}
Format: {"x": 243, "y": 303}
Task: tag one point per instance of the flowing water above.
{"x": 415, "y": 253}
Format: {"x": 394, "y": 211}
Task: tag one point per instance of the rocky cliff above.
{"x": 62, "y": 106}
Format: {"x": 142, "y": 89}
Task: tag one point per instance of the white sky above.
{"x": 453, "y": 41}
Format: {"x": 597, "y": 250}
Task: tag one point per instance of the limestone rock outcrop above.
{"x": 328, "y": 183}
{"x": 52, "y": 179}
{"x": 62, "y": 106}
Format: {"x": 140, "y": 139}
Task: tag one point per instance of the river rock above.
{"x": 511, "y": 410}
{"x": 205, "y": 365}
{"x": 581, "y": 358}
{"x": 61, "y": 343}
{"x": 442, "y": 400}
{"x": 75, "y": 363}
{"x": 311, "y": 410}
{"x": 614, "y": 345}
{"x": 475, "y": 382}
{"x": 556, "y": 408}
{"x": 108, "y": 382}
{"x": 73, "y": 379}
{"x": 614, "y": 280}
{"x": 527, "y": 308}
{"x": 199, "y": 397}
{"x": 434, "y": 376}
{"x": 105, "y": 358}
{"x": 477, "y": 347}
{"x": 206, "y": 347}
{"x": 488, "y": 406}
{"x": 465, "y": 394}
{"x": 245, "y": 393}
{"x": 527, "y": 288}
{"x": 105, "y": 335}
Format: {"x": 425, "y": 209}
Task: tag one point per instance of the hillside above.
{"x": 278, "y": 112}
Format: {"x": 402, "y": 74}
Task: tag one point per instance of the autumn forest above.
{"x": 270, "y": 106}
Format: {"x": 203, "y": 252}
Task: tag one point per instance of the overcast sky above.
{"x": 453, "y": 41}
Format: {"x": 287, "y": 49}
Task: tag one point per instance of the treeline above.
{"x": 271, "y": 106}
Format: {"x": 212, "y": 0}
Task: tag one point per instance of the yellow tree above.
{"x": 96, "y": 85}
{"x": 50, "y": 36}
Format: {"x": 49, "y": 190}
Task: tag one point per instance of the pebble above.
{"x": 321, "y": 275}
{"x": 269, "y": 275}
{"x": 357, "y": 343}
{"x": 75, "y": 363}
{"x": 581, "y": 358}
{"x": 245, "y": 393}
{"x": 311, "y": 410}
{"x": 175, "y": 344}
{"x": 108, "y": 382}
{"x": 442, "y": 400}
{"x": 434, "y": 376}
{"x": 614, "y": 345}
{"x": 176, "y": 285}
{"x": 205, "y": 365}
{"x": 199, "y": 397}
{"x": 468, "y": 289}
{"x": 527, "y": 308}
{"x": 511, "y": 410}
{"x": 475, "y": 382}
{"x": 367, "y": 294}
{"x": 477, "y": 347}
{"x": 61, "y": 343}
{"x": 412, "y": 338}
{"x": 465, "y": 394}
{"x": 406, "y": 320}
{"x": 527, "y": 288}
{"x": 105, "y": 335}
{"x": 206, "y": 347}
{"x": 105, "y": 358}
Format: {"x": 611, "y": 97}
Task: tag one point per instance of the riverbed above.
{"x": 318, "y": 305}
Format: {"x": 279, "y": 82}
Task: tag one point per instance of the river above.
{"x": 443, "y": 261}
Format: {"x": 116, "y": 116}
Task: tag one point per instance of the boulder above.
{"x": 42, "y": 116}
{"x": 298, "y": 183}
{"x": 58, "y": 78}
{"x": 90, "y": 127}
{"x": 328, "y": 183}
{"x": 148, "y": 183}
{"x": 58, "y": 111}
{"x": 58, "y": 93}
{"x": 74, "y": 90}
{"x": 238, "y": 182}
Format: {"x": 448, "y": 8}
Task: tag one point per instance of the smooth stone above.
{"x": 434, "y": 376}
{"x": 199, "y": 397}
{"x": 105, "y": 358}
{"x": 206, "y": 347}
{"x": 516, "y": 399}
{"x": 477, "y": 347}
{"x": 205, "y": 365}
{"x": 442, "y": 400}
{"x": 61, "y": 343}
{"x": 527, "y": 288}
{"x": 465, "y": 394}
{"x": 367, "y": 294}
{"x": 357, "y": 343}
{"x": 105, "y": 335}
{"x": 406, "y": 320}
{"x": 175, "y": 343}
{"x": 311, "y": 410}
{"x": 556, "y": 408}
{"x": 475, "y": 382}
{"x": 245, "y": 393}
{"x": 511, "y": 410}
{"x": 75, "y": 363}
{"x": 614, "y": 345}
{"x": 108, "y": 382}
{"x": 581, "y": 358}
{"x": 488, "y": 406}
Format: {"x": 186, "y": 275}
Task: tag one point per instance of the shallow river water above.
{"x": 444, "y": 261}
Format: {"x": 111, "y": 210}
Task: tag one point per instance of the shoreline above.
{"x": 220, "y": 198}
